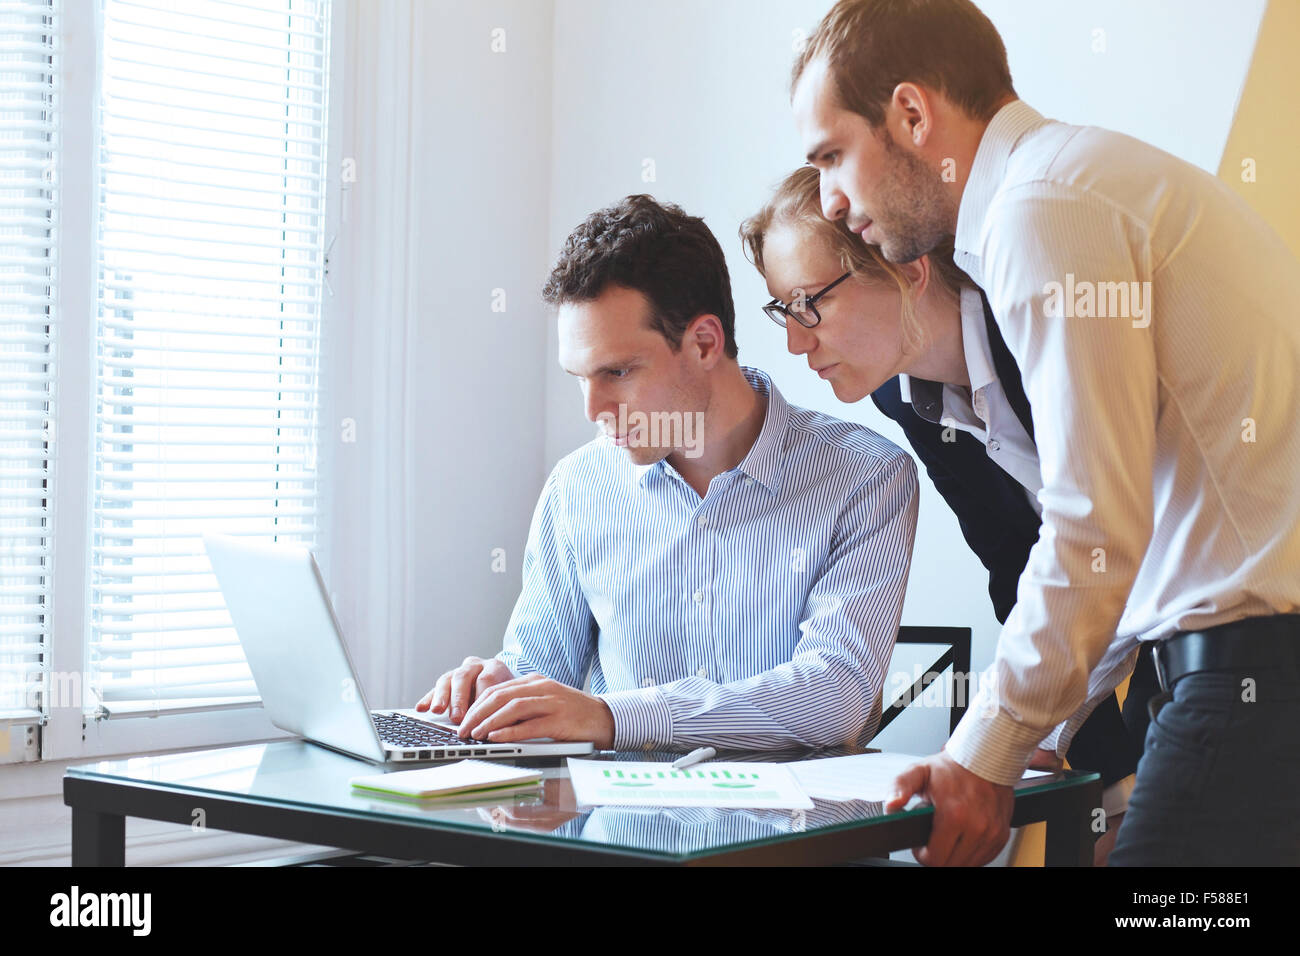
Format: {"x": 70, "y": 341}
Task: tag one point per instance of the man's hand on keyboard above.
{"x": 535, "y": 706}
{"x": 459, "y": 688}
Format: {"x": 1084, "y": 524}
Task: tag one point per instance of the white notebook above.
{"x": 465, "y": 777}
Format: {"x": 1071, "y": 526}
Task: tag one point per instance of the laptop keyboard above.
{"x": 403, "y": 731}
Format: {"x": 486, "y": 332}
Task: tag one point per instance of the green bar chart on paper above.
{"x": 616, "y": 783}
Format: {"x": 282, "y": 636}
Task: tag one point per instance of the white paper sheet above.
{"x": 648, "y": 784}
{"x": 857, "y": 776}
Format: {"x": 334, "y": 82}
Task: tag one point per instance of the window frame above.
{"x": 68, "y": 731}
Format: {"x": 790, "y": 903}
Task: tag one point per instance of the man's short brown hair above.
{"x": 870, "y": 46}
{"x": 669, "y": 257}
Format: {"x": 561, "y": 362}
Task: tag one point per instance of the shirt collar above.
{"x": 765, "y": 460}
{"x": 975, "y": 340}
{"x": 1007, "y": 128}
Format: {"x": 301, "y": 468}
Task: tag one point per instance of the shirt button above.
{"x": 702, "y": 520}
{"x": 993, "y": 444}
{"x": 699, "y": 596}
{"x": 647, "y": 682}
{"x": 749, "y": 481}
{"x": 648, "y": 745}
{"x": 702, "y": 672}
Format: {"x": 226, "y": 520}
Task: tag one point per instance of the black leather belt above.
{"x": 1267, "y": 646}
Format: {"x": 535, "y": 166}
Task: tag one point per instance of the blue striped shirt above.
{"x": 762, "y": 615}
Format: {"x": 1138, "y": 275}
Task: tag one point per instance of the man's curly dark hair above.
{"x": 669, "y": 257}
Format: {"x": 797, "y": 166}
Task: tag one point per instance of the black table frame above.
{"x": 100, "y": 807}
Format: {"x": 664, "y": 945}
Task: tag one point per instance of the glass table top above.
{"x": 297, "y": 773}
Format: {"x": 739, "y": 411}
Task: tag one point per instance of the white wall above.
{"x": 701, "y": 89}
{"x": 452, "y": 147}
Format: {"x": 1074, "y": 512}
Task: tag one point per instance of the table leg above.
{"x": 98, "y": 839}
{"x": 1070, "y": 837}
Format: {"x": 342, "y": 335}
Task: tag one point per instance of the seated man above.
{"x": 730, "y": 567}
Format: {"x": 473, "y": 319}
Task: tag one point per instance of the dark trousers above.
{"x": 1219, "y": 780}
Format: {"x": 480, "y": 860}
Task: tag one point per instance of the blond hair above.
{"x": 797, "y": 203}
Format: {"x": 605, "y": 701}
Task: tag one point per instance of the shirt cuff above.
{"x": 990, "y": 744}
{"x": 642, "y": 720}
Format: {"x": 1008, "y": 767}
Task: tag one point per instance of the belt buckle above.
{"x": 1155, "y": 659}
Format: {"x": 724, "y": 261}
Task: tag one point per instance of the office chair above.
{"x": 957, "y": 656}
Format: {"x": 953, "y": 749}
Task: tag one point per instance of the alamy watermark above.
{"x": 684, "y": 430}
{"x": 965, "y": 689}
{"x": 1085, "y": 299}
{"x": 75, "y": 908}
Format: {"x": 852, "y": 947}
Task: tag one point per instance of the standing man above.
{"x": 1152, "y": 314}
{"x": 955, "y": 431}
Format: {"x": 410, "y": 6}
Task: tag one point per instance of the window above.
{"x": 29, "y": 143}
{"x": 210, "y": 160}
{"x": 162, "y": 258}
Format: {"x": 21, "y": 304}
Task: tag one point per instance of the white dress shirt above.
{"x": 984, "y": 411}
{"x": 1167, "y": 432}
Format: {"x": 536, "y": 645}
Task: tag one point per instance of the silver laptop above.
{"x": 291, "y": 638}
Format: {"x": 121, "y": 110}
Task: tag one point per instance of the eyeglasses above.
{"x": 804, "y": 310}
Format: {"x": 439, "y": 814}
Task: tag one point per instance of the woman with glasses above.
{"x": 920, "y": 339}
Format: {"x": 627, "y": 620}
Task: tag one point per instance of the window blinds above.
{"x": 211, "y": 181}
{"x": 29, "y": 144}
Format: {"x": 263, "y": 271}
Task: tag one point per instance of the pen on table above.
{"x": 698, "y": 755}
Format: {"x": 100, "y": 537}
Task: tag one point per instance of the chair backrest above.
{"x": 957, "y": 640}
